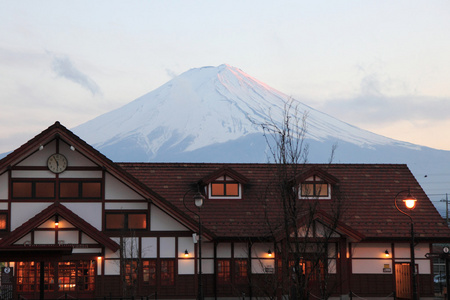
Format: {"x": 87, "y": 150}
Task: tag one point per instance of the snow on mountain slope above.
{"x": 204, "y": 107}
{"x": 209, "y": 115}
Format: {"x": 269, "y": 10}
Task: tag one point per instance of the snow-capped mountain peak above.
{"x": 203, "y": 107}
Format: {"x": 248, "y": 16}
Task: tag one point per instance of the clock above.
{"x": 57, "y": 163}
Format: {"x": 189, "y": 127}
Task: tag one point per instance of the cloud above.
{"x": 63, "y": 67}
{"x": 374, "y": 104}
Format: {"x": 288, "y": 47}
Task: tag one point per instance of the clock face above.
{"x": 57, "y": 163}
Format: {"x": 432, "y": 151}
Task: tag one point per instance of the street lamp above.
{"x": 410, "y": 203}
{"x": 198, "y": 201}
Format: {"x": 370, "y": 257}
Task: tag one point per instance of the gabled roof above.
{"x": 65, "y": 213}
{"x": 315, "y": 170}
{"x": 58, "y": 131}
{"x": 225, "y": 170}
{"x": 367, "y": 192}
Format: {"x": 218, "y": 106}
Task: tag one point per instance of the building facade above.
{"x": 75, "y": 224}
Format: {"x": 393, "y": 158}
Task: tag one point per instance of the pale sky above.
{"x": 380, "y": 65}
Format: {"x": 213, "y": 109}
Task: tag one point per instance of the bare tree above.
{"x": 302, "y": 228}
{"x": 130, "y": 263}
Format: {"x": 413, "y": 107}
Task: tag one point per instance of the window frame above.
{"x": 223, "y": 271}
{"x": 241, "y": 271}
{"x": 6, "y": 219}
{"x": 315, "y": 181}
{"x": 225, "y": 180}
{"x": 126, "y": 215}
{"x": 33, "y": 189}
{"x": 152, "y": 277}
{"x": 171, "y": 267}
{"x": 80, "y": 189}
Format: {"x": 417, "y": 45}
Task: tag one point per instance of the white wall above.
{"x": 90, "y": 212}
{"x": 4, "y": 186}
{"x": 116, "y": 190}
{"x": 23, "y": 211}
{"x": 160, "y": 221}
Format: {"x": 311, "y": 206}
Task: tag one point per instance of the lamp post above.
{"x": 198, "y": 201}
{"x": 410, "y": 203}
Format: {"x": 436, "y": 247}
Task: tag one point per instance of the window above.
{"x": 26, "y": 277}
{"x": 167, "y": 272}
{"x": 125, "y": 220}
{"x": 315, "y": 187}
{"x": 223, "y": 271}
{"x": 3, "y": 221}
{"x": 131, "y": 272}
{"x": 240, "y": 271}
{"x": 91, "y": 190}
{"x": 149, "y": 272}
{"x": 313, "y": 270}
{"x": 224, "y": 187}
{"x": 62, "y": 276}
{"x": 67, "y": 276}
{"x": 29, "y": 189}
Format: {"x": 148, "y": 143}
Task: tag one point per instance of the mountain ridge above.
{"x": 209, "y": 105}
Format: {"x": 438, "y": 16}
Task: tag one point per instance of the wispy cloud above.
{"x": 64, "y": 67}
{"x": 373, "y": 104}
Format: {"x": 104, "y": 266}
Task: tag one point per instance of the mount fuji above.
{"x": 211, "y": 114}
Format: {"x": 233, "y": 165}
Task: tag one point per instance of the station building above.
{"x": 75, "y": 224}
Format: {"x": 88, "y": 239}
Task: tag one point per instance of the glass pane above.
{"x": 149, "y": 272}
{"x": 307, "y": 189}
{"x": 45, "y": 189}
{"x": 131, "y": 273}
{"x": 322, "y": 189}
{"x": 167, "y": 272}
{"x": 217, "y": 189}
{"x": 2, "y": 221}
{"x": 49, "y": 276}
{"x": 137, "y": 221}
{"x": 69, "y": 190}
{"x": 26, "y": 276}
{"x": 66, "y": 276}
{"x": 92, "y": 190}
{"x": 115, "y": 221}
{"x": 240, "y": 271}
{"x": 232, "y": 189}
{"x": 86, "y": 275}
{"x": 21, "y": 190}
{"x": 223, "y": 271}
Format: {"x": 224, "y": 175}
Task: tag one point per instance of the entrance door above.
{"x": 403, "y": 280}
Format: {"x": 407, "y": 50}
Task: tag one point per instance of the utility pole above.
{"x": 446, "y": 206}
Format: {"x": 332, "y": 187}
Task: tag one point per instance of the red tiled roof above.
{"x": 368, "y": 192}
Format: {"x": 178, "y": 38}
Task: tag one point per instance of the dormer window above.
{"x": 225, "y": 187}
{"x": 315, "y": 187}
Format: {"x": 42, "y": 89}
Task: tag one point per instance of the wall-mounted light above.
{"x": 72, "y": 148}
{"x": 41, "y": 147}
{"x": 386, "y": 253}
{"x": 269, "y": 253}
{"x": 56, "y": 221}
{"x": 186, "y": 253}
